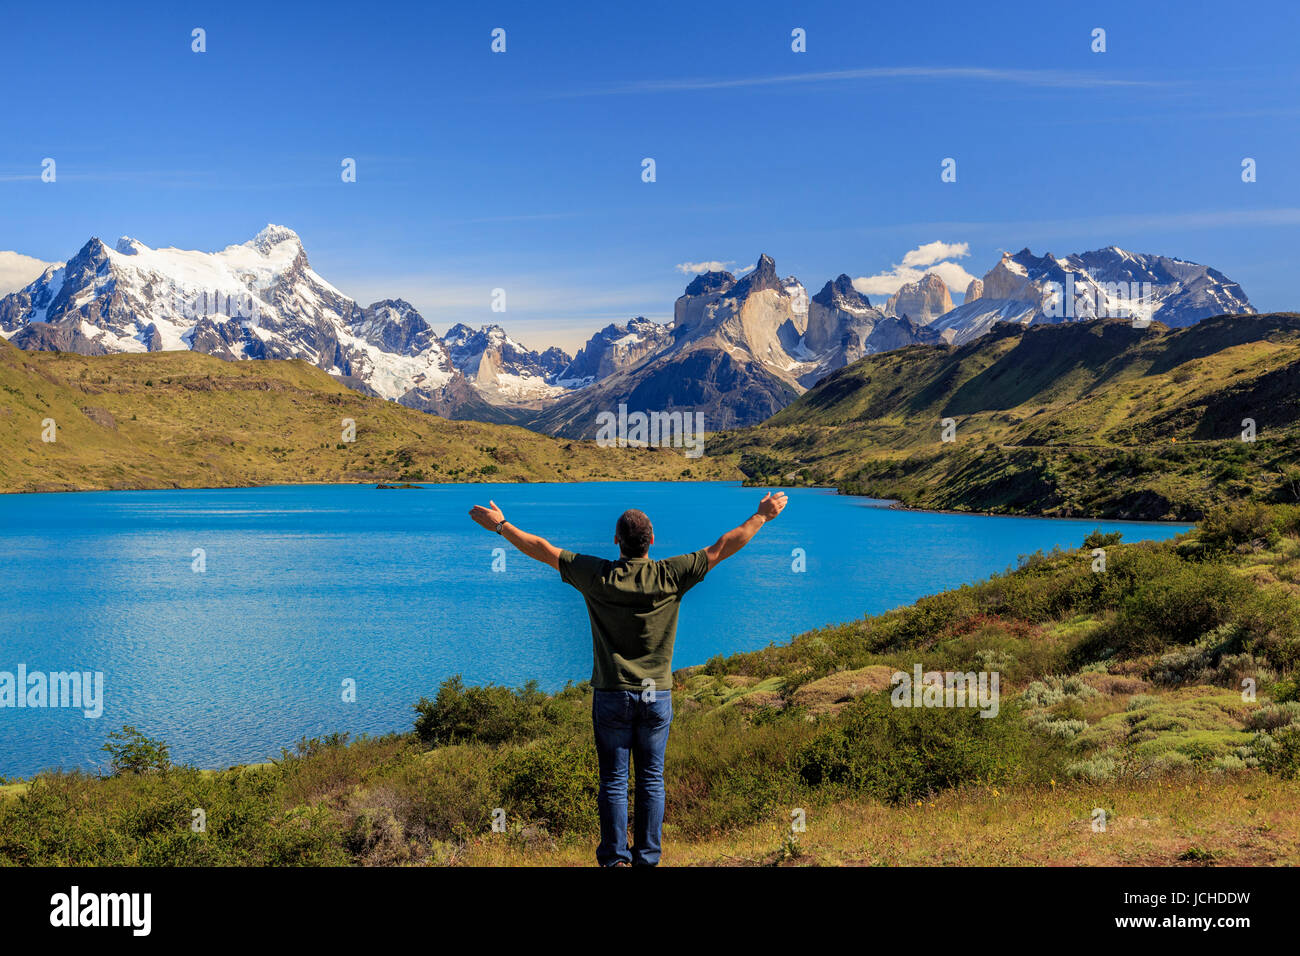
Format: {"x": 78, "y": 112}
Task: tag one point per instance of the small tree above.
{"x": 1102, "y": 539}
{"x": 131, "y": 752}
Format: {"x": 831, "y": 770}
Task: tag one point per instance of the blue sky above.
{"x": 522, "y": 170}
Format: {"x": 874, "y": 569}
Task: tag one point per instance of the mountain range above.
{"x": 739, "y": 348}
{"x": 1093, "y": 418}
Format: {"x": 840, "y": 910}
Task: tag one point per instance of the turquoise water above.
{"x": 308, "y": 586}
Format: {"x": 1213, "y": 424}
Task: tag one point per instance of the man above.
{"x": 632, "y": 604}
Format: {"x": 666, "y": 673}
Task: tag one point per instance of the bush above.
{"x": 1099, "y": 539}
{"x": 1273, "y": 717}
{"x": 146, "y": 820}
{"x": 552, "y": 783}
{"x": 488, "y": 714}
{"x": 1281, "y": 757}
{"x": 444, "y": 794}
{"x": 131, "y": 752}
{"x": 724, "y": 772}
{"x": 1179, "y": 606}
{"x": 1247, "y": 526}
{"x": 901, "y": 753}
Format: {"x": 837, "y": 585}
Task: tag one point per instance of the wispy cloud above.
{"x": 695, "y": 268}
{"x": 1114, "y": 226}
{"x": 1021, "y": 77}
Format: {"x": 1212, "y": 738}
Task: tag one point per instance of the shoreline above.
{"x": 889, "y": 504}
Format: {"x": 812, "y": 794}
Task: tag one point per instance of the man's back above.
{"x": 633, "y": 604}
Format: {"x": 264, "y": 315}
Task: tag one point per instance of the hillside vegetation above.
{"x": 1095, "y": 419}
{"x": 183, "y": 419}
{"x": 1160, "y": 690}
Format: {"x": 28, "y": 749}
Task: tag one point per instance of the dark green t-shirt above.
{"x": 632, "y": 603}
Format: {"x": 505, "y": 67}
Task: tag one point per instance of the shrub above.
{"x": 1248, "y": 525}
{"x": 1281, "y": 756}
{"x": 145, "y": 820}
{"x": 444, "y": 794}
{"x": 902, "y": 753}
{"x": 1054, "y": 690}
{"x": 1272, "y": 717}
{"x": 1179, "y": 606}
{"x": 487, "y": 714}
{"x": 131, "y": 752}
{"x": 550, "y": 782}
{"x": 1099, "y": 539}
{"x": 724, "y": 772}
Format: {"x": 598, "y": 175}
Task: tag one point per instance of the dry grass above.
{"x": 1249, "y": 820}
{"x": 830, "y": 694}
{"x": 187, "y": 420}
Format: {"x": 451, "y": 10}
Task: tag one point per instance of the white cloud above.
{"x": 933, "y": 257}
{"x": 18, "y": 271}
{"x": 695, "y": 268}
{"x": 931, "y": 252}
{"x": 953, "y": 275}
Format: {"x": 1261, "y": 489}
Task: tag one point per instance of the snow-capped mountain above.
{"x": 262, "y": 299}
{"x": 501, "y": 367}
{"x": 843, "y": 326}
{"x": 739, "y": 348}
{"x": 742, "y": 348}
{"x": 1105, "y": 283}
{"x": 613, "y": 348}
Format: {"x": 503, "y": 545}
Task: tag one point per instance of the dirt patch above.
{"x": 758, "y": 700}
{"x": 100, "y": 416}
{"x": 1113, "y": 683}
{"x": 830, "y": 694}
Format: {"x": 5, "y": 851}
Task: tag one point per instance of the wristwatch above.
{"x": 500, "y": 525}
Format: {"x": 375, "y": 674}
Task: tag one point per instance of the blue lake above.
{"x": 307, "y": 586}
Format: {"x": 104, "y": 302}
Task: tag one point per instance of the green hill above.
{"x": 183, "y": 419}
{"x": 1094, "y": 418}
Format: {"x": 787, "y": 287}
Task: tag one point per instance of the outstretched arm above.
{"x": 735, "y": 539}
{"x": 530, "y": 544}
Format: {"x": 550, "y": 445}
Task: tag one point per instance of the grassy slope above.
{"x": 1235, "y": 822}
{"x": 1094, "y": 419}
{"x": 1120, "y": 690}
{"x": 181, "y": 419}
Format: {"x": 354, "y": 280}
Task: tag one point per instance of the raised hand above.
{"x": 488, "y": 517}
{"x": 772, "y": 505}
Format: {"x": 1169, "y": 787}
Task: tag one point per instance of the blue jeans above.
{"x": 626, "y": 726}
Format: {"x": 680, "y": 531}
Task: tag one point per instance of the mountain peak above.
{"x": 762, "y": 276}
{"x": 841, "y": 291}
{"x": 707, "y": 282}
{"x": 922, "y": 301}
{"x": 128, "y": 246}
{"x": 272, "y": 236}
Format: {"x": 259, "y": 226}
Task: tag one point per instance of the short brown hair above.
{"x": 634, "y": 532}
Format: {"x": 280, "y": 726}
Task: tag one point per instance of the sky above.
{"x": 524, "y": 170}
